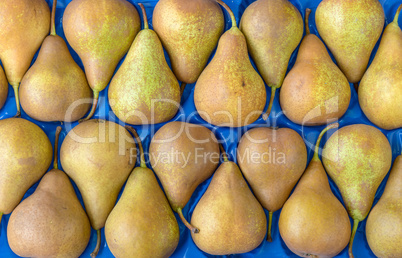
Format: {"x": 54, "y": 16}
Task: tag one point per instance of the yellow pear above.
{"x": 3, "y": 87}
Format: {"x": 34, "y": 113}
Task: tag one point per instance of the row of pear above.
{"x": 228, "y": 91}
{"x": 100, "y": 156}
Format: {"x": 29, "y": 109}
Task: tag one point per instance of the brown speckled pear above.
{"x": 384, "y": 223}
{"x": 380, "y": 91}
{"x": 144, "y": 90}
{"x": 229, "y": 218}
{"x": 229, "y": 92}
{"x": 272, "y": 160}
{"x": 54, "y": 87}
{"x": 313, "y": 222}
{"x": 26, "y": 154}
{"x": 189, "y": 30}
{"x": 183, "y": 155}
{"x": 350, "y": 29}
{"x": 273, "y": 29}
{"x": 23, "y": 26}
{"x": 3, "y": 87}
{"x": 315, "y": 91}
{"x": 98, "y": 156}
{"x": 101, "y": 32}
{"x": 142, "y": 223}
{"x": 357, "y": 158}
{"x": 51, "y": 222}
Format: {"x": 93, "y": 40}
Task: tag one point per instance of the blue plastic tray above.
{"x": 231, "y": 137}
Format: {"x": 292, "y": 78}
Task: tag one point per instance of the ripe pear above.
{"x": 23, "y": 26}
{"x": 51, "y": 222}
{"x": 229, "y": 92}
{"x": 273, "y": 30}
{"x": 380, "y": 91}
{"x": 52, "y": 88}
{"x": 26, "y": 154}
{"x": 189, "y": 31}
{"x": 96, "y": 155}
{"x": 272, "y": 160}
{"x": 313, "y": 223}
{"x": 229, "y": 218}
{"x": 350, "y": 29}
{"x": 144, "y": 90}
{"x": 384, "y": 223}
{"x": 315, "y": 91}
{"x": 3, "y": 87}
{"x": 142, "y": 224}
{"x": 101, "y": 32}
{"x": 183, "y": 155}
{"x": 357, "y": 158}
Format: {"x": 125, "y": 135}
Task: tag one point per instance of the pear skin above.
{"x": 144, "y": 90}
{"x": 380, "y": 91}
{"x": 315, "y": 91}
{"x": 272, "y": 160}
{"x": 384, "y": 223}
{"x": 101, "y": 32}
{"x": 142, "y": 223}
{"x": 313, "y": 223}
{"x": 273, "y": 30}
{"x": 189, "y": 31}
{"x": 53, "y": 87}
{"x": 357, "y": 158}
{"x": 350, "y": 29}
{"x": 229, "y": 92}
{"x": 3, "y": 87}
{"x": 24, "y": 25}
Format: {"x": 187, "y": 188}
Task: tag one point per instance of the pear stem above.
{"x": 93, "y": 108}
{"x": 188, "y": 225}
{"x": 356, "y": 86}
{"x": 352, "y": 237}
{"x": 182, "y": 88}
{"x": 56, "y": 147}
{"x": 17, "y": 98}
{"x": 308, "y": 11}
{"x": 271, "y": 102}
{"x": 227, "y": 8}
{"x": 98, "y": 243}
{"x": 397, "y": 14}
{"x": 138, "y": 139}
{"x": 144, "y": 16}
{"x": 317, "y": 145}
{"x": 225, "y": 157}
{"x": 269, "y": 237}
{"x": 1, "y": 215}
{"x": 52, "y": 23}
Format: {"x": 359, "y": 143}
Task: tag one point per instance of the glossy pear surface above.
{"x": 3, "y": 87}
{"x": 229, "y": 217}
{"x": 189, "y": 30}
{"x": 273, "y": 29}
{"x": 96, "y": 155}
{"x": 357, "y": 158}
{"x": 384, "y": 223}
{"x": 350, "y": 29}
{"x": 51, "y": 222}
{"x": 26, "y": 154}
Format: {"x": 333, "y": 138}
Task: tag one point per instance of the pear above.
{"x": 313, "y": 223}
{"x": 272, "y": 160}
{"x": 142, "y": 224}
{"x": 26, "y": 154}
{"x": 229, "y": 218}
{"x": 144, "y": 90}
{"x": 229, "y": 92}
{"x": 380, "y": 91}
{"x": 384, "y": 223}
{"x": 101, "y": 32}
{"x": 52, "y": 88}
{"x": 189, "y": 31}
{"x": 357, "y": 158}
{"x": 96, "y": 155}
{"x": 350, "y": 29}
{"x": 3, "y": 87}
{"x": 273, "y": 30}
{"x": 183, "y": 155}
{"x": 315, "y": 91}
{"x": 24, "y": 24}
{"x": 51, "y": 222}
